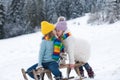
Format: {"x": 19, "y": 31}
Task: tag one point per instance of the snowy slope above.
{"x": 22, "y": 52}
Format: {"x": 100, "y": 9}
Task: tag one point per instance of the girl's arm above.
{"x": 41, "y": 53}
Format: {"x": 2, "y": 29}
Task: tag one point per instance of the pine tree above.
{"x": 2, "y": 21}
{"x": 113, "y": 11}
{"x": 40, "y": 11}
{"x": 30, "y": 16}
{"x": 87, "y": 5}
{"x": 15, "y": 19}
{"x": 62, "y": 8}
{"x": 105, "y": 11}
{"x": 75, "y": 9}
{"x": 118, "y": 9}
{"x": 50, "y": 11}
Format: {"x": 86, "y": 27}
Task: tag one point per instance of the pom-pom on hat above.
{"x": 61, "y": 18}
{"x": 46, "y": 27}
{"x": 61, "y": 25}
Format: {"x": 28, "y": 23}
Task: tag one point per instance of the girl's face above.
{"x": 54, "y": 32}
{"x": 59, "y": 33}
{"x": 51, "y": 34}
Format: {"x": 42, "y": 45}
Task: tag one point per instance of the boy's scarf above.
{"x": 58, "y": 47}
{"x": 65, "y": 36}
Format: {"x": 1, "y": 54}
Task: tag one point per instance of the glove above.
{"x": 39, "y": 69}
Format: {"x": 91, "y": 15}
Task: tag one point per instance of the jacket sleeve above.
{"x": 41, "y": 53}
{"x": 70, "y": 50}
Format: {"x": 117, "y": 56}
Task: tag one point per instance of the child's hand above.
{"x": 72, "y": 66}
{"x": 39, "y": 70}
{"x": 39, "y": 67}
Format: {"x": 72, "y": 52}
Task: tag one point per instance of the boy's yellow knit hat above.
{"x": 46, "y": 27}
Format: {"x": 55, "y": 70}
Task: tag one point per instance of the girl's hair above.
{"x": 61, "y": 18}
{"x": 50, "y": 34}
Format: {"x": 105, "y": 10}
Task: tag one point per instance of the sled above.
{"x": 48, "y": 73}
{"x": 24, "y": 74}
{"x": 39, "y": 74}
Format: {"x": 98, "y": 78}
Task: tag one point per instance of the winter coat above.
{"x": 77, "y": 49}
{"x": 46, "y": 50}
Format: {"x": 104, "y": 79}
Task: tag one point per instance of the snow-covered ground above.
{"x": 22, "y": 52}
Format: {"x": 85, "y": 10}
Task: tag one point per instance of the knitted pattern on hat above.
{"x": 46, "y": 27}
{"x": 62, "y": 25}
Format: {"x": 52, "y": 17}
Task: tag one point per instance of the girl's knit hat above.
{"x": 46, "y": 27}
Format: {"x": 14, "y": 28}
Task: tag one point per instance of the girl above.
{"x": 49, "y": 51}
{"x": 77, "y": 49}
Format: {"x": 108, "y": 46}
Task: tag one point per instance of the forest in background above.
{"x": 19, "y": 17}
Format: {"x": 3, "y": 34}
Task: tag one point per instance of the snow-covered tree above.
{"x": 50, "y": 11}
{"x": 2, "y": 21}
{"x": 30, "y": 16}
{"x": 105, "y": 11}
{"x": 114, "y": 13}
{"x": 87, "y": 5}
{"x": 40, "y": 11}
{"x": 62, "y": 8}
{"x": 22, "y": 16}
{"x": 14, "y": 19}
{"x": 69, "y": 8}
{"x": 97, "y": 12}
{"x": 75, "y": 9}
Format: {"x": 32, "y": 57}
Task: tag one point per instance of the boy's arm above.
{"x": 70, "y": 50}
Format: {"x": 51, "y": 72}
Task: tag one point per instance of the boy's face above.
{"x": 59, "y": 33}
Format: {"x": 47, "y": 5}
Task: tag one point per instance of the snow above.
{"x": 22, "y": 52}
